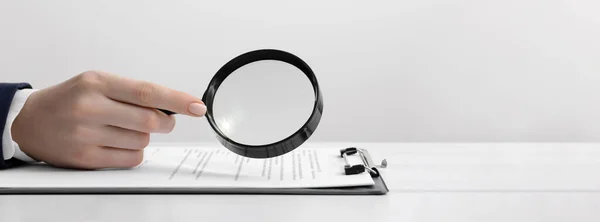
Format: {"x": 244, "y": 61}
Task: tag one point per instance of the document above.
{"x": 201, "y": 167}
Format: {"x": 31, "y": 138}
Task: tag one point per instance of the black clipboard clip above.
{"x": 367, "y": 165}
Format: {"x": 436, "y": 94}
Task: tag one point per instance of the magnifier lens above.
{"x": 263, "y": 102}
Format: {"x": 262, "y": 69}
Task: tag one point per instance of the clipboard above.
{"x": 367, "y": 166}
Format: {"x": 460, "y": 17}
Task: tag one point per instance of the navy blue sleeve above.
{"x": 7, "y": 92}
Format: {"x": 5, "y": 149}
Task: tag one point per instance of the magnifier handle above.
{"x": 167, "y": 112}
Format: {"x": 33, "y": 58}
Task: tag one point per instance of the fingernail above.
{"x": 198, "y": 109}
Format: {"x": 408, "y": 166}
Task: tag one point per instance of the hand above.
{"x": 98, "y": 120}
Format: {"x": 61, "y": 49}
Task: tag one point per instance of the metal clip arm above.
{"x": 367, "y": 165}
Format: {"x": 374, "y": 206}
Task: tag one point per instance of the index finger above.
{"x": 147, "y": 94}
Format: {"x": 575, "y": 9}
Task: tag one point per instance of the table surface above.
{"x": 427, "y": 182}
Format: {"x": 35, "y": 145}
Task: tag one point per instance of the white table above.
{"x": 428, "y": 182}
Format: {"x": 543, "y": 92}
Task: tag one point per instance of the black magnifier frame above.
{"x": 277, "y": 148}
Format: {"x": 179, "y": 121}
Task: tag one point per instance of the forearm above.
{"x": 12, "y": 98}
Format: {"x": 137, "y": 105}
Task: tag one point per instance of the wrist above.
{"x": 22, "y": 125}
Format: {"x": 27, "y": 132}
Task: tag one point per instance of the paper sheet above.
{"x": 203, "y": 167}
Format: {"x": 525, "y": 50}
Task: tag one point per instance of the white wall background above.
{"x": 420, "y": 70}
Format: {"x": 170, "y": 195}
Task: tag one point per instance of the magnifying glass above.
{"x": 263, "y": 103}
